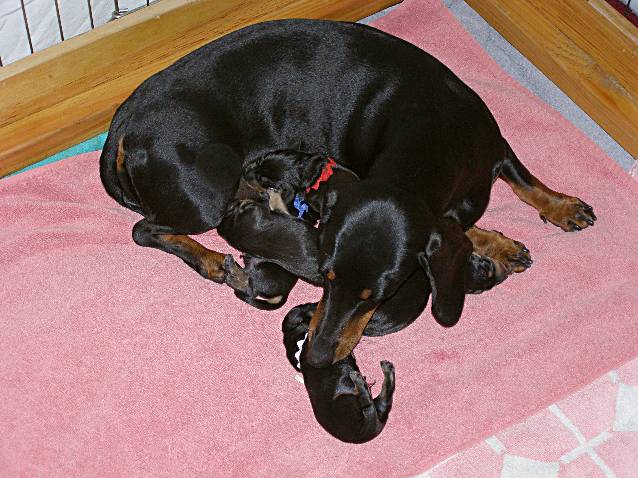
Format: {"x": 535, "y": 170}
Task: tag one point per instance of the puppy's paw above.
{"x": 512, "y": 254}
{"x": 388, "y": 373}
{"x": 569, "y": 213}
{"x": 297, "y": 320}
{"x": 387, "y": 367}
{"x": 359, "y": 381}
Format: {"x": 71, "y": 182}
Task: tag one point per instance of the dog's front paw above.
{"x": 569, "y": 213}
{"x": 387, "y": 367}
{"x": 512, "y": 254}
{"x": 235, "y": 277}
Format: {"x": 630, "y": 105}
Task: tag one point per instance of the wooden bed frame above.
{"x": 68, "y": 93}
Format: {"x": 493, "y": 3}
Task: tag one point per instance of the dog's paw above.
{"x": 387, "y": 367}
{"x": 359, "y": 381}
{"x": 297, "y": 320}
{"x": 512, "y": 254}
{"x": 388, "y": 372}
{"x": 508, "y": 252}
{"x": 235, "y": 277}
{"x": 569, "y": 213}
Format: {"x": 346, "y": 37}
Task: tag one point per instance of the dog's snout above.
{"x": 318, "y": 357}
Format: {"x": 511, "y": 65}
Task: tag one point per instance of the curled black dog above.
{"x": 340, "y": 396}
{"x": 426, "y": 149}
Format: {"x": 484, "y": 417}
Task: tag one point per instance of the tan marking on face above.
{"x": 365, "y": 294}
{"x": 352, "y": 334}
{"x": 316, "y": 317}
{"x": 256, "y": 186}
{"x": 331, "y": 275}
{"x": 119, "y": 159}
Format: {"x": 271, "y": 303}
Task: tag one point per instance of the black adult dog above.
{"x": 340, "y": 397}
{"x": 425, "y": 146}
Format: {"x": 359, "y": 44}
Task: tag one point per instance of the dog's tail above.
{"x": 115, "y": 175}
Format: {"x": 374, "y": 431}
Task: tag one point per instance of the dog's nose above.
{"x": 318, "y": 358}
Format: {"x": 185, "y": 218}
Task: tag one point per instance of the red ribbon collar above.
{"x": 326, "y": 172}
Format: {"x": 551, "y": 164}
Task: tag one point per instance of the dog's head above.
{"x": 284, "y": 170}
{"x": 373, "y": 237}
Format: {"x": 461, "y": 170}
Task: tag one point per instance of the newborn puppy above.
{"x": 251, "y": 226}
{"x": 268, "y": 284}
{"x": 297, "y": 175}
{"x": 340, "y": 397}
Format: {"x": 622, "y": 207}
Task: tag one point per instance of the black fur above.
{"x": 340, "y": 397}
{"x": 424, "y": 145}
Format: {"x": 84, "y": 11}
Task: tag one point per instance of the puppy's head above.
{"x": 285, "y": 170}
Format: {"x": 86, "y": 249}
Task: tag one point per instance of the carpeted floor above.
{"x": 121, "y": 361}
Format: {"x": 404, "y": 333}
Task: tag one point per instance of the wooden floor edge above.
{"x": 603, "y": 84}
{"x": 65, "y": 119}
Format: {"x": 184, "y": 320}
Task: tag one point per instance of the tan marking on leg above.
{"x": 513, "y": 255}
{"x": 567, "y": 212}
{"x": 119, "y": 159}
{"x": 211, "y": 261}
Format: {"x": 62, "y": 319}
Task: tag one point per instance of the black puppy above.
{"x": 267, "y": 285}
{"x": 299, "y": 177}
{"x": 251, "y": 226}
{"x": 340, "y": 396}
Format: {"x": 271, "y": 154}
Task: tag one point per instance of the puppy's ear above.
{"x": 445, "y": 262}
{"x": 312, "y": 166}
{"x": 329, "y": 201}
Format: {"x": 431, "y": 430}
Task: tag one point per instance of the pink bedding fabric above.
{"x": 592, "y": 433}
{"x": 119, "y": 360}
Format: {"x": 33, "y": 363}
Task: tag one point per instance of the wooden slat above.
{"x": 69, "y": 92}
{"x": 588, "y": 49}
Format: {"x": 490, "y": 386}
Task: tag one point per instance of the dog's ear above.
{"x": 445, "y": 260}
{"x": 329, "y": 201}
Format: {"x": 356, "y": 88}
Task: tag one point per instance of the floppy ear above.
{"x": 445, "y": 262}
{"x": 329, "y": 201}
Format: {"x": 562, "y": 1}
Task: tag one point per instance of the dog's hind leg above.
{"x": 567, "y": 212}
{"x": 383, "y": 402}
{"x": 493, "y": 244}
{"x": 209, "y": 264}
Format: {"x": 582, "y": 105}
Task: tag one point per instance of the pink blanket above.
{"x": 119, "y": 360}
